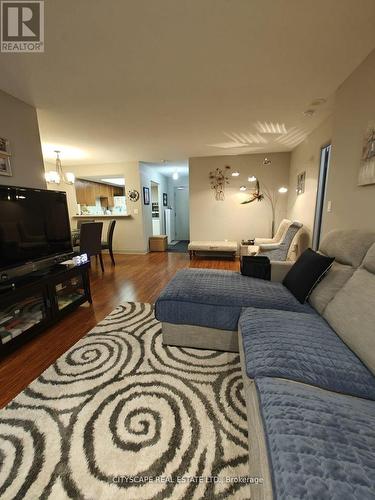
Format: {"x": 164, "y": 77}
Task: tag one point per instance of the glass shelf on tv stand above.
{"x": 69, "y": 291}
{"x": 21, "y": 316}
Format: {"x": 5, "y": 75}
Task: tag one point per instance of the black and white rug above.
{"x": 120, "y": 416}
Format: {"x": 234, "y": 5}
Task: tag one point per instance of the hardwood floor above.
{"x": 136, "y": 278}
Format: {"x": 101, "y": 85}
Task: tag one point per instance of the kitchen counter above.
{"x": 96, "y": 216}
{"x": 126, "y": 227}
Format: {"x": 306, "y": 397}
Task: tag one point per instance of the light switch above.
{"x": 329, "y": 206}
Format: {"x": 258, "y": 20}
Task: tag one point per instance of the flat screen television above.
{"x": 34, "y": 225}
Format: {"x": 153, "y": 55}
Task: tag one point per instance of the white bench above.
{"x": 210, "y": 248}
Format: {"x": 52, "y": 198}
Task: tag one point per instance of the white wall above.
{"x": 306, "y": 157}
{"x": 352, "y": 206}
{"x": 68, "y": 189}
{"x": 19, "y": 124}
{"x": 228, "y": 219}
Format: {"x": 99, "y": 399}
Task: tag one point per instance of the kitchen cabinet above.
{"x": 118, "y": 191}
{"x": 88, "y": 191}
{"x": 85, "y": 192}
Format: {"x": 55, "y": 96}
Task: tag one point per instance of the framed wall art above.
{"x": 4, "y": 147}
{"x": 146, "y": 196}
{"x": 367, "y": 167}
{"x": 301, "y": 178}
{"x": 5, "y": 167}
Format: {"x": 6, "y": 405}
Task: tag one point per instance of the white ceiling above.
{"x": 113, "y": 180}
{"x": 150, "y": 80}
{"x": 168, "y": 168}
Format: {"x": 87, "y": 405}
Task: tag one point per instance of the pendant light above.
{"x": 58, "y": 175}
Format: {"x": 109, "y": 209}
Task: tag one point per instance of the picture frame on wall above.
{"x": 165, "y": 199}
{"x": 4, "y": 147}
{"x": 301, "y": 178}
{"x": 367, "y": 167}
{"x": 146, "y": 196}
{"x": 5, "y": 166}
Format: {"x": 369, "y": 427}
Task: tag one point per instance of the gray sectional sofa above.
{"x": 308, "y": 369}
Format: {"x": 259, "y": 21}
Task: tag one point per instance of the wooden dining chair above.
{"x": 108, "y": 245}
{"x": 84, "y": 221}
{"x": 76, "y": 232}
{"x": 91, "y": 240}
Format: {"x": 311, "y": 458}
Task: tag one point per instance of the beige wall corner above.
{"x": 67, "y": 188}
{"x": 352, "y": 206}
{"x": 218, "y": 220}
{"x": 19, "y": 124}
{"x": 306, "y": 158}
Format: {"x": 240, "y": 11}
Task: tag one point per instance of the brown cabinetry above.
{"x": 118, "y": 191}
{"x": 85, "y": 192}
{"x": 88, "y": 191}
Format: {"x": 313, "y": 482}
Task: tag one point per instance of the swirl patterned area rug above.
{"x": 120, "y": 416}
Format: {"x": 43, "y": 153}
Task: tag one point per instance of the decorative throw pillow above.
{"x": 307, "y": 272}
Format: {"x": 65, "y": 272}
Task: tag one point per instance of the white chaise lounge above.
{"x": 213, "y": 248}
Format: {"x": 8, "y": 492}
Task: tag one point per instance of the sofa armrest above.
{"x": 269, "y": 246}
{"x": 261, "y": 241}
{"x": 279, "y": 269}
{"x": 249, "y": 250}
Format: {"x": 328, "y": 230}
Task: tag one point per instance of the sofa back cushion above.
{"x": 351, "y": 313}
{"x": 349, "y": 248}
{"x": 334, "y": 280}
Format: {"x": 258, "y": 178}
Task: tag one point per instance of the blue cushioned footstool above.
{"x": 201, "y": 307}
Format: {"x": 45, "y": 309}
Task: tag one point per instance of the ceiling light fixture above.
{"x": 309, "y": 113}
{"x": 70, "y": 178}
{"x": 267, "y": 161}
{"x": 58, "y": 175}
{"x": 243, "y": 188}
{"x": 235, "y": 173}
{"x": 252, "y": 178}
{"x": 52, "y": 177}
{"x": 283, "y": 190}
{"x": 71, "y": 153}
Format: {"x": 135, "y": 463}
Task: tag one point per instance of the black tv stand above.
{"x": 32, "y": 303}
{"x": 7, "y": 287}
{"x": 42, "y": 272}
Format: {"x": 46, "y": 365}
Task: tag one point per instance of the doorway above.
{"x": 155, "y": 208}
{"x": 181, "y": 230}
{"x": 325, "y": 156}
{"x": 181, "y": 202}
